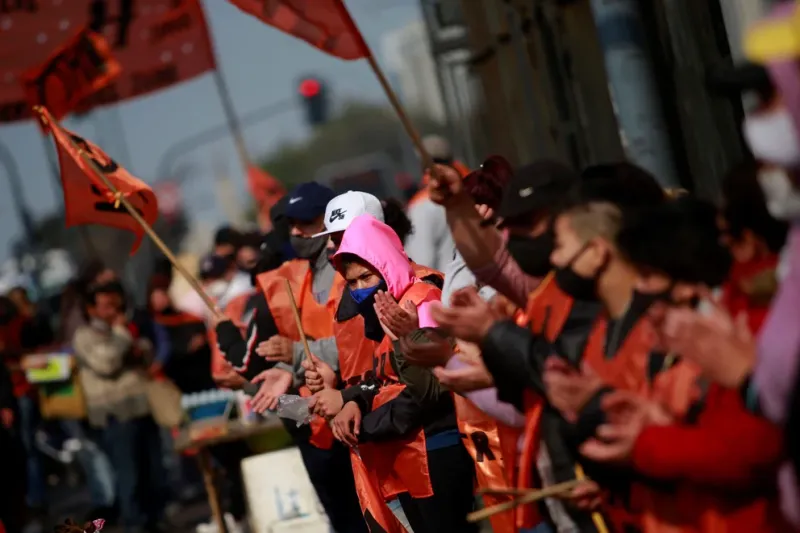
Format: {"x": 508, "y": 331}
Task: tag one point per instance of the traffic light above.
{"x": 315, "y": 100}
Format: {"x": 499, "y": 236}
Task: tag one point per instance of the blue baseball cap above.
{"x": 307, "y": 201}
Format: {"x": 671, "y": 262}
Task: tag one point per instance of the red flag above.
{"x": 75, "y": 71}
{"x": 87, "y": 200}
{"x": 158, "y": 43}
{"x": 325, "y": 24}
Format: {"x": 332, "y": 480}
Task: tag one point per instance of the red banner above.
{"x": 158, "y": 43}
{"x": 77, "y": 70}
{"x": 325, "y": 24}
{"x": 87, "y": 200}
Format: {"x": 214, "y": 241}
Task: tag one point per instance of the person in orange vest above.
{"x": 353, "y": 346}
{"x": 718, "y": 458}
{"x": 265, "y": 354}
{"x": 566, "y": 309}
{"x": 412, "y": 449}
{"x": 433, "y": 246}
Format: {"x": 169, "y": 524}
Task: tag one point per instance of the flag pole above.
{"x": 195, "y": 284}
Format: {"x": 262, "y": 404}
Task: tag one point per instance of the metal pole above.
{"x": 23, "y": 213}
{"x": 233, "y": 121}
{"x": 164, "y": 168}
{"x": 633, "y": 88}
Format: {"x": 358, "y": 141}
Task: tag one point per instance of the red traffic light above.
{"x": 310, "y": 88}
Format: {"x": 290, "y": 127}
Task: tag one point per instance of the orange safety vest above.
{"x": 493, "y": 447}
{"x": 316, "y": 319}
{"x": 355, "y": 350}
{"x": 400, "y": 465}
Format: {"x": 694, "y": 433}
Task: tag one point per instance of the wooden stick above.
{"x": 597, "y": 518}
{"x": 145, "y": 226}
{"x": 531, "y": 497}
{"x": 505, "y": 490}
{"x": 297, "y": 318}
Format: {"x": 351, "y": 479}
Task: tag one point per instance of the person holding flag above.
{"x": 265, "y": 354}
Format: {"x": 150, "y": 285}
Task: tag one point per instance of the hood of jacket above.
{"x": 377, "y": 244}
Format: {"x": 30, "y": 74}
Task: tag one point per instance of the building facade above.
{"x": 588, "y": 81}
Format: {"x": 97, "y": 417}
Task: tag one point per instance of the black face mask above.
{"x": 575, "y": 285}
{"x": 372, "y": 326}
{"x": 532, "y": 254}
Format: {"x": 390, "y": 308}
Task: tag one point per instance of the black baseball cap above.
{"x": 307, "y": 201}
{"x": 536, "y": 188}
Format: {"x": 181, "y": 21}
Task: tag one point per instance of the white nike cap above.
{"x": 343, "y": 209}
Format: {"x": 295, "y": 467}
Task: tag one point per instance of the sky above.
{"x": 260, "y": 65}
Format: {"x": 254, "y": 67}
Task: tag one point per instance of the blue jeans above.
{"x": 29, "y": 420}
{"x": 134, "y": 447}
{"x": 95, "y": 464}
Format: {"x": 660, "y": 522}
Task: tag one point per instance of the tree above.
{"x": 358, "y": 129}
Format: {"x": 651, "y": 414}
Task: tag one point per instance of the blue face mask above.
{"x": 365, "y": 300}
{"x": 362, "y": 295}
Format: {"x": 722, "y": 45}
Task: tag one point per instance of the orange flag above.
{"x": 265, "y": 189}
{"x": 87, "y": 200}
{"x": 75, "y": 71}
{"x": 325, "y": 24}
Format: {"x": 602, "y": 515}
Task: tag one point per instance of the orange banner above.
{"x": 87, "y": 200}
{"x": 74, "y": 72}
{"x": 157, "y": 43}
{"x": 324, "y": 24}
{"x": 266, "y": 192}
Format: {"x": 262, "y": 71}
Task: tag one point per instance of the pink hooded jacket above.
{"x": 377, "y": 244}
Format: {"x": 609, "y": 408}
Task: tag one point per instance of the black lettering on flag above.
{"x": 99, "y": 17}
{"x": 15, "y": 6}
{"x": 74, "y": 67}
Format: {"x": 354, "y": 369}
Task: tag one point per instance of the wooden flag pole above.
{"x": 297, "y": 319}
{"x": 195, "y": 284}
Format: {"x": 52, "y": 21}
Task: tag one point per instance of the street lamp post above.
{"x": 165, "y": 166}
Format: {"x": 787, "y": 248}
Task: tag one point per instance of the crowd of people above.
{"x": 629, "y": 348}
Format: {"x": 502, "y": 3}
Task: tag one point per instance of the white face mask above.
{"x": 772, "y": 137}
{"x": 217, "y": 289}
{"x": 783, "y": 199}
